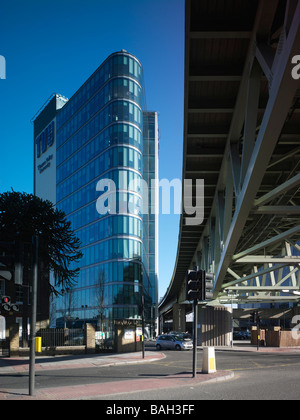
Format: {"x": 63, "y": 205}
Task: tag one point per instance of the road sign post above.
{"x": 195, "y": 305}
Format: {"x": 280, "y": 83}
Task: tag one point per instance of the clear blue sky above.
{"x": 55, "y": 45}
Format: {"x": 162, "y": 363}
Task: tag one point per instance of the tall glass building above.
{"x": 95, "y": 157}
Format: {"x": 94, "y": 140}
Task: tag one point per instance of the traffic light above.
{"x": 7, "y": 305}
{"x": 14, "y": 307}
{"x": 6, "y": 299}
{"x": 12, "y": 261}
{"x": 198, "y": 284}
{"x": 193, "y": 285}
{"x": 255, "y": 318}
{"x": 207, "y": 285}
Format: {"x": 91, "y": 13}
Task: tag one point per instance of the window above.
{"x": 131, "y": 225}
{"x": 131, "y": 87}
{"x": 126, "y": 248}
{"x": 131, "y": 65}
{"x": 136, "y": 69}
{"x": 120, "y": 224}
{"x": 19, "y": 294}
{"x": 125, "y": 224}
{"x": 131, "y": 158}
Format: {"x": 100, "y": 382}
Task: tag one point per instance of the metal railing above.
{"x": 4, "y": 348}
{"x": 57, "y": 337}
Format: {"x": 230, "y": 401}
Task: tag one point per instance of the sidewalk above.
{"x": 94, "y": 391}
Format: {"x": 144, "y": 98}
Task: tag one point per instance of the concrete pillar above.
{"x": 90, "y": 342}
{"x": 14, "y": 340}
{"x": 161, "y": 324}
{"x": 179, "y": 317}
{"x": 126, "y": 339}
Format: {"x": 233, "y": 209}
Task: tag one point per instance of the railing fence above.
{"x": 56, "y": 337}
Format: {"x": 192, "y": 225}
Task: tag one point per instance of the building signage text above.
{"x": 46, "y": 164}
{"x": 45, "y": 140}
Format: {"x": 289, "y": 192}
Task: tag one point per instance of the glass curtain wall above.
{"x": 150, "y": 220}
{"x": 100, "y": 136}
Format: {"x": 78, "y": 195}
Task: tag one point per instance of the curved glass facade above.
{"x": 99, "y": 136}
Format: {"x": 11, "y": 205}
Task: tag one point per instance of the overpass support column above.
{"x": 178, "y": 317}
{"x": 161, "y": 324}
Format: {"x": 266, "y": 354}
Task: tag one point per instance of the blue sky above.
{"x": 55, "y": 45}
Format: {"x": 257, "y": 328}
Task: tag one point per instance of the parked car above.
{"x": 173, "y": 342}
{"x": 241, "y": 335}
{"x": 245, "y": 335}
{"x": 187, "y": 336}
{"x": 236, "y": 335}
{"x": 184, "y": 335}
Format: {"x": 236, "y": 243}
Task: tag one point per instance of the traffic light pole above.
{"x": 33, "y": 316}
{"x": 195, "y": 304}
{"x": 143, "y": 328}
{"x": 196, "y": 289}
{"x": 257, "y": 329}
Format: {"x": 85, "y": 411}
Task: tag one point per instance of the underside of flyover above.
{"x": 242, "y": 138}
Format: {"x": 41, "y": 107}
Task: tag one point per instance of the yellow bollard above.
{"x": 209, "y": 360}
{"x": 38, "y": 344}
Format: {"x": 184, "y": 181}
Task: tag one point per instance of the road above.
{"x": 256, "y": 376}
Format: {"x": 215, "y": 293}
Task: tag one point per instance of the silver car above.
{"x": 173, "y": 342}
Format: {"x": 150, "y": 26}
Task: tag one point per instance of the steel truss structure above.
{"x": 242, "y": 136}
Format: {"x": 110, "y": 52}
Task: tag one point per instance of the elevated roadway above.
{"x": 242, "y": 137}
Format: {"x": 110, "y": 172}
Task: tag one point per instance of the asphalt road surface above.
{"x": 257, "y": 376}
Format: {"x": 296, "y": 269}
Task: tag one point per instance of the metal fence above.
{"x": 54, "y": 337}
{"x": 4, "y": 348}
{"x": 58, "y": 337}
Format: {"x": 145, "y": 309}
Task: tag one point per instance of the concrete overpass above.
{"x": 242, "y": 137}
